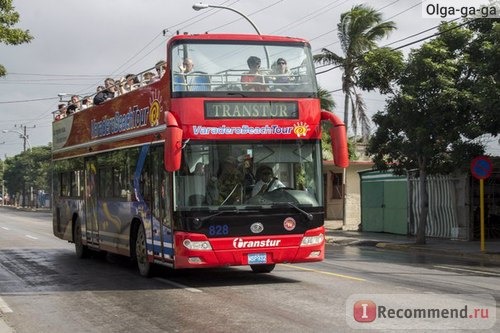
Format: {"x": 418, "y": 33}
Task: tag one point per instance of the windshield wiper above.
{"x": 198, "y": 221}
{"x": 309, "y": 216}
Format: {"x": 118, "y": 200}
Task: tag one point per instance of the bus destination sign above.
{"x": 269, "y": 109}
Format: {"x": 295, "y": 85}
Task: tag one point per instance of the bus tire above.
{"x": 141, "y": 253}
{"x": 268, "y": 268}
{"x": 81, "y": 250}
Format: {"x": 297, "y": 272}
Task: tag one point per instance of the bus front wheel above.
{"x": 262, "y": 268}
{"x": 141, "y": 253}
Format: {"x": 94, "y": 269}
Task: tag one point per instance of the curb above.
{"x": 485, "y": 257}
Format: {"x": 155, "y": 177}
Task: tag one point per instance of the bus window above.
{"x": 231, "y": 172}
{"x": 220, "y": 67}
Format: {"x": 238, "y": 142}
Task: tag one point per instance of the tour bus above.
{"x": 168, "y": 174}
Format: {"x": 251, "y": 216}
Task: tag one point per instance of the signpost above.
{"x": 481, "y": 168}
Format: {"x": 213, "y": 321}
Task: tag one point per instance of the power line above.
{"x": 379, "y": 9}
{"x": 28, "y": 100}
{"x": 408, "y": 44}
{"x": 240, "y": 18}
{"x": 308, "y": 17}
{"x": 54, "y": 75}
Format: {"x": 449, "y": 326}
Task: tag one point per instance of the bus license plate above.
{"x": 257, "y": 258}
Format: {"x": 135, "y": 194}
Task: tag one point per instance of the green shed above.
{"x": 384, "y": 202}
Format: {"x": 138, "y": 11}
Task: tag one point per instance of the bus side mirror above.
{"x": 339, "y": 139}
{"x": 173, "y": 149}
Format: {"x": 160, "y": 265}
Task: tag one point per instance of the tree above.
{"x": 327, "y": 103}
{"x": 484, "y": 52}
{"x": 28, "y": 170}
{"x": 8, "y": 34}
{"x": 359, "y": 30}
{"x": 431, "y": 124}
{"x": 326, "y": 99}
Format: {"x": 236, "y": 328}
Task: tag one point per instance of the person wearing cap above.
{"x": 253, "y": 80}
{"x": 266, "y": 181}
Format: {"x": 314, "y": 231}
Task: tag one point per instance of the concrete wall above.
{"x": 334, "y": 207}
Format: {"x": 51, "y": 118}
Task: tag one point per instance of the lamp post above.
{"x": 22, "y": 135}
{"x": 199, "y": 6}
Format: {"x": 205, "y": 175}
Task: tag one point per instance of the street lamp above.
{"x": 22, "y": 135}
{"x": 200, "y": 6}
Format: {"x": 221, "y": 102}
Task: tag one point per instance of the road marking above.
{"x": 467, "y": 270}
{"x": 31, "y": 237}
{"x": 4, "y": 308}
{"x": 178, "y": 285}
{"x": 327, "y": 273}
{"x": 5, "y": 228}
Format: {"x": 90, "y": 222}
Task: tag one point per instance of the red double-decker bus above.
{"x": 219, "y": 164}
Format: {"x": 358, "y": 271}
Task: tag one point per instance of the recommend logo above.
{"x": 421, "y": 311}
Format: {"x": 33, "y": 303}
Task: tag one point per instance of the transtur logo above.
{"x": 239, "y": 243}
{"x": 364, "y": 311}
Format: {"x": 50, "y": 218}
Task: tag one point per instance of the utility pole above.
{"x": 24, "y": 136}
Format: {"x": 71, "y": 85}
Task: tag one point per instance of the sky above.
{"x": 79, "y": 43}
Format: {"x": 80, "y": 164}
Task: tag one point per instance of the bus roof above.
{"x": 238, "y": 37}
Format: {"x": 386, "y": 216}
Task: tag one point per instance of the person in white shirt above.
{"x": 266, "y": 181}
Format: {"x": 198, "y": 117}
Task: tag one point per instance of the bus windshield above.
{"x": 222, "y": 174}
{"x": 229, "y": 69}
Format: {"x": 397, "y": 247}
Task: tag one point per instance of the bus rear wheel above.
{"x": 81, "y": 250}
{"x": 263, "y": 268}
{"x": 141, "y": 253}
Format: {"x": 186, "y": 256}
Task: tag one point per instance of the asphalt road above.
{"x": 45, "y": 288}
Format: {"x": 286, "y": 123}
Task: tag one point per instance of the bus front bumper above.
{"x": 197, "y": 251}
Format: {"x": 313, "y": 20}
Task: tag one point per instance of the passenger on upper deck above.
{"x": 130, "y": 83}
{"x": 182, "y": 80}
{"x": 107, "y": 93}
{"x": 86, "y": 102}
{"x": 253, "y": 80}
{"x": 187, "y": 66}
{"x": 160, "y": 68}
{"x": 74, "y": 105}
{"x": 280, "y": 76}
{"x": 61, "y": 111}
{"x": 147, "y": 78}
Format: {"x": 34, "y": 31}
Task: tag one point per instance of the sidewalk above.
{"x": 470, "y": 250}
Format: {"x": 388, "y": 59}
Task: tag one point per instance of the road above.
{"x": 45, "y": 288}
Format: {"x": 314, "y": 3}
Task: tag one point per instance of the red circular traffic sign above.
{"x": 481, "y": 167}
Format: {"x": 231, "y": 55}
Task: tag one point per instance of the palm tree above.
{"x": 359, "y": 30}
{"x": 326, "y": 100}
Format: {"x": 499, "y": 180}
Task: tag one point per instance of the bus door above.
{"x": 92, "y": 228}
{"x": 162, "y": 212}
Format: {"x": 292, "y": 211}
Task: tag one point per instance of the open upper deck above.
{"x": 224, "y": 85}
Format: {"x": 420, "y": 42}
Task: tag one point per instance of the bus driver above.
{"x": 266, "y": 181}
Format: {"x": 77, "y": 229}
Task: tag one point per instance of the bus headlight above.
{"x": 312, "y": 240}
{"x": 197, "y": 245}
